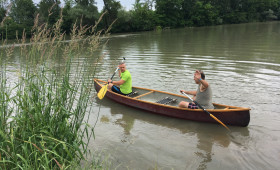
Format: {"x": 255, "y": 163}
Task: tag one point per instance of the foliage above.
{"x": 23, "y": 12}
{"x": 49, "y": 11}
{"x": 123, "y": 23}
{"x": 2, "y": 13}
{"x": 146, "y": 14}
{"x": 43, "y": 116}
{"x": 204, "y": 15}
{"x": 85, "y": 11}
{"x": 169, "y": 12}
{"x": 187, "y": 12}
{"x": 67, "y": 19}
{"x": 112, "y": 8}
{"x": 143, "y": 18}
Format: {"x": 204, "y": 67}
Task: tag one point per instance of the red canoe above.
{"x": 165, "y": 103}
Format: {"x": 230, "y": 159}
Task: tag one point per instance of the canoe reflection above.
{"x": 207, "y": 134}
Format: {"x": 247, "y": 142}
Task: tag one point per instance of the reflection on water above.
{"x": 206, "y": 137}
{"x": 241, "y": 63}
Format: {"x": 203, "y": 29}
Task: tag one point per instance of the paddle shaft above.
{"x": 206, "y": 111}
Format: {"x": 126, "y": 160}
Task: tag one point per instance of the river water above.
{"x": 242, "y": 64}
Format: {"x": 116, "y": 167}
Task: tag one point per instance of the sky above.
{"x": 127, "y": 4}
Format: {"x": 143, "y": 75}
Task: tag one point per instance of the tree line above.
{"x": 18, "y": 16}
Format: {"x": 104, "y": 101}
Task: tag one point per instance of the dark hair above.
{"x": 202, "y": 74}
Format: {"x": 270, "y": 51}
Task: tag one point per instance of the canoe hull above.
{"x": 235, "y": 117}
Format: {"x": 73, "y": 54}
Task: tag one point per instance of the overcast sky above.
{"x": 127, "y": 4}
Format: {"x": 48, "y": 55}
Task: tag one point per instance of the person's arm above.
{"x": 203, "y": 82}
{"x": 189, "y": 92}
{"x": 119, "y": 82}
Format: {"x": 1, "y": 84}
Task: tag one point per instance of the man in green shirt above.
{"x": 124, "y": 85}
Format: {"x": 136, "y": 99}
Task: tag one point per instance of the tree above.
{"x": 170, "y": 12}
{"x": 187, "y": 11}
{"x": 112, "y": 7}
{"x": 49, "y": 11}
{"x": 204, "y": 14}
{"x": 278, "y": 10}
{"x": 124, "y": 22}
{"x": 67, "y": 19}
{"x": 2, "y": 13}
{"x": 143, "y": 18}
{"x": 3, "y": 10}
{"x": 23, "y": 12}
{"x": 84, "y": 10}
{"x": 85, "y": 2}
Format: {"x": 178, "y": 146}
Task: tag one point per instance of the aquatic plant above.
{"x": 44, "y": 114}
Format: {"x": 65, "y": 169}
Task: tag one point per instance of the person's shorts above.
{"x": 192, "y": 106}
{"x": 117, "y": 90}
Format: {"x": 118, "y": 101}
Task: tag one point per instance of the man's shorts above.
{"x": 192, "y": 106}
{"x": 117, "y": 90}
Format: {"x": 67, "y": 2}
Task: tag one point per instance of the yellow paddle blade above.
{"x": 219, "y": 121}
{"x": 102, "y": 92}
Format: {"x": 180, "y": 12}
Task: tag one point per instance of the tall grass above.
{"x": 43, "y": 116}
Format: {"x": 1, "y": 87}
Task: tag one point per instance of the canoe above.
{"x": 165, "y": 103}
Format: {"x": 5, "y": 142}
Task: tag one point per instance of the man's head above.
{"x": 122, "y": 66}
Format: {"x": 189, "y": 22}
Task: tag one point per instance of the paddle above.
{"x": 103, "y": 90}
{"x": 206, "y": 111}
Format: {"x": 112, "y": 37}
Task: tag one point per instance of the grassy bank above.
{"x": 43, "y": 116}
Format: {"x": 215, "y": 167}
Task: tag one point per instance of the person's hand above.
{"x": 109, "y": 81}
{"x": 181, "y": 91}
{"x": 197, "y": 75}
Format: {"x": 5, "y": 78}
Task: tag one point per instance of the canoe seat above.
{"x": 132, "y": 94}
{"x": 166, "y": 100}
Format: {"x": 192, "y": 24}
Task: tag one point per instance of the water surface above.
{"x": 242, "y": 64}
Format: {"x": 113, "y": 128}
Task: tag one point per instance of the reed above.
{"x": 44, "y": 115}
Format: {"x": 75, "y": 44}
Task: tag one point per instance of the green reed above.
{"x": 44, "y": 116}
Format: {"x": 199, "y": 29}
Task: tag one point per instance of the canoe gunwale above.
{"x": 236, "y": 116}
{"x": 230, "y": 108}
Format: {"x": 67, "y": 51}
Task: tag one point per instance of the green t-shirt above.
{"x": 126, "y": 87}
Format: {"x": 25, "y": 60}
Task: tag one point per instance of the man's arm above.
{"x": 189, "y": 92}
{"x": 204, "y": 83}
{"x": 119, "y": 82}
